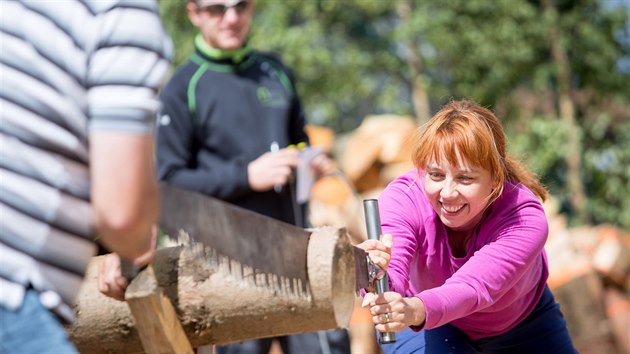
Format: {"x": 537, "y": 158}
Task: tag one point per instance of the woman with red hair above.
{"x": 463, "y": 246}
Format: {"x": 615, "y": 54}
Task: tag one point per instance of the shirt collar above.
{"x": 236, "y": 56}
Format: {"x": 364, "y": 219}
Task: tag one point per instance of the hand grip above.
{"x": 128, "y": 269}
{"x": 373, "y": 224}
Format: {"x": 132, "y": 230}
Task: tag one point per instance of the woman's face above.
{"x": 458, "y": 194}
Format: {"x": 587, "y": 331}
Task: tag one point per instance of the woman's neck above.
{"x": 459, "y": 240}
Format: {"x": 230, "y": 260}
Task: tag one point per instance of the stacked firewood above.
{"x": 590, "y": 276}
{"x": 589, "y": 265}
{"x": 369, "y": 158}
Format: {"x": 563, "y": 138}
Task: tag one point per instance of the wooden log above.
{"x": 361, "y": 330}
{"x": 579, "y": 291}
{"x": 154, "y": 316}
{"x": 618, "y": 312}
{"x": 321, "y": 137}
{"x": 380, "y": 139}
{"x": 223, "y": 303}
{"x": 333, "y": 202}
{"x": 612, "y": 255}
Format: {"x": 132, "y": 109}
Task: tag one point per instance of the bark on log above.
{"x": 215, "y": 306}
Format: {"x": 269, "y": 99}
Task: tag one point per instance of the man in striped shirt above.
{"x": 77, "y": 109}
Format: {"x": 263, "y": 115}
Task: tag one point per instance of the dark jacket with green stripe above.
{"x": 220, "y": 112}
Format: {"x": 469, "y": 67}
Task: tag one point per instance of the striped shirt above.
{"x": 67, "y": 68}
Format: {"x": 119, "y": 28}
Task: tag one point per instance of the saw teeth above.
{"x": 242, "y": 273}
{"x": 253, "y": 277}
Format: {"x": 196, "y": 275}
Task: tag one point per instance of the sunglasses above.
{"x": 220, "y": 9}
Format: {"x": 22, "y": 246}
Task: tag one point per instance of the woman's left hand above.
{"x": 391, "y": 312}
{"x": 379, "y": 251}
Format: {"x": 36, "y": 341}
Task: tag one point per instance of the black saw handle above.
{"x": 373, "y": 224}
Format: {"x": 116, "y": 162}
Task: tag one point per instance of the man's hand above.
{"x": 322, "y": 165}
{"x": 111, "y": 281}
{"x": 272, "y": 168}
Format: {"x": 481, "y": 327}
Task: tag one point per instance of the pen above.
{"x": 275, "y": 148}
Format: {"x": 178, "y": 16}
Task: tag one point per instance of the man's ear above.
{"x": 193, "y": 15}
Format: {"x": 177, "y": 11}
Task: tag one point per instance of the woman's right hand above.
{"x": 379, "y": 251}
{"x": 391, "y": 312}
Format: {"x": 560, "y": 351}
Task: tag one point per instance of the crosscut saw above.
{"x": 250, "y": 244}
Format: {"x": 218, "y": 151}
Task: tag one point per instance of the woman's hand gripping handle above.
{"x": 373, "y": 224}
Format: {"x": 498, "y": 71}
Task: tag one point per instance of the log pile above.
{"x": 369, "y": 158}
{"x": 590, "y": 276}
{"x": 378, "y": 151}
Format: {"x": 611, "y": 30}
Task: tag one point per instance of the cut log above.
{"x": 361, "y": 330}
{"x": 393, "y": 170}
{"x": 155, "y": 318}
{"x": 380, "y": 139}
{"x": 321, "y": 137}
{"x": 585, "y": 314}
{"x": 618, "y": 312}
{"x": 217, "y": 306}
{"x": 334, "y": 202}
{"x": 612, "y": 255}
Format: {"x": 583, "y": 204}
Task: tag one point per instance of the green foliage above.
{"x": 606, "y": 164}
{"x": 173, "y": 13}
{"x": 607, "y": 171}
{"x": 341, "y": 55}
{"x": 542, "y": 147}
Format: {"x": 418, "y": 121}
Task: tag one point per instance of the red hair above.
{"x": 465, "y": 130}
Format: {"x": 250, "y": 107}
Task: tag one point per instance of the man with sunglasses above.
{"x": 229, "y": 117}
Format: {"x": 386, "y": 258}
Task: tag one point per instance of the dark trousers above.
{"x": 544, "y": 331}
{"x": 322, "y": 342}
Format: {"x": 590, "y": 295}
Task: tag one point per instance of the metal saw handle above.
{"x": 373, "y": 224}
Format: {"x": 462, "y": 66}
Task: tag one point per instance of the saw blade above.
{"x": 361, "y": 268}
{"x": 271, "y": 252}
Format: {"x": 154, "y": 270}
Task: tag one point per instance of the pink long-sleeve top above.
{"x": 494, "y": 286}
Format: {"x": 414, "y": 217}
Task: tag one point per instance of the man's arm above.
{"x": 122, "y": 108}
{"x": 124, "y": 190}
{"x": 122, "y": 104}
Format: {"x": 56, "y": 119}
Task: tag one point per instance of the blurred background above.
{"x": 557, "y": 72}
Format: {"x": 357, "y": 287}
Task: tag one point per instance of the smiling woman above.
{"x": 467, "y": 267}
{"x": 458, "y": 193}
